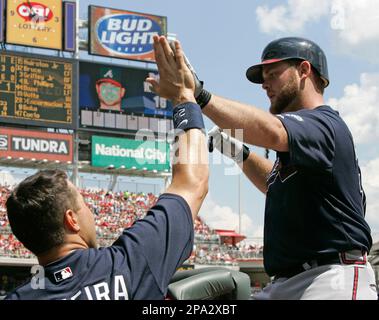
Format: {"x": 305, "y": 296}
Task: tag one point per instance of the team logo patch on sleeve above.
{"x": 295, "y": 116}
{"x": 63, "y": 274}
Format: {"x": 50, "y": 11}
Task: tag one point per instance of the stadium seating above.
{"x": 115, "y": 211}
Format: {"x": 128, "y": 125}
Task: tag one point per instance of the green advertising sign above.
{"x": 150, "y": 155}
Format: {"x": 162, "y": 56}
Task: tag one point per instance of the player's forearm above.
{"x": 190, "y": 165}
{"x": 260, "y": 128}
{"x": 190, "y": 168}
{"x": 257, "y": 169}
{"x": 190, "y": 161}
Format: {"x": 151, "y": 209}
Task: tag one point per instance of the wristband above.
{"x": 203, "y": 98}
{"x": 188, "y": 116}
{"x": 245, "y": 152}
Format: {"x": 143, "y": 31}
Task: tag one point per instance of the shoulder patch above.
{"x": 63, "y": 274}
{"x": 295, "y": 116}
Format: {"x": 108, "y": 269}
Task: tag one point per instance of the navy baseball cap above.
{"x": 110, "y": 75}
{"x": 291, "y": 48}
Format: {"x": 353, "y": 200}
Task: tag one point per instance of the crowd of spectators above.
{"x": 209, "y": 249}
{"x": 115, "y": 211}
{"x": 204, "y": 234}
{"x": 9, "y": 245}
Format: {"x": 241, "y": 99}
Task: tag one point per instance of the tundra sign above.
{"x": 37, "y": 145}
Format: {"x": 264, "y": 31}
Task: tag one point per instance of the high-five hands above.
{"x": 202, "y": 96}
{"x": 198, "y": 82}
{"x": 176, "y": 81}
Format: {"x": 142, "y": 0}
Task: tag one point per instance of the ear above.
{"x": 71, "y": 221}
{"x": 122, "y": 92}
{"x": 305, "y": 70}
{"x": 98, "y": 88}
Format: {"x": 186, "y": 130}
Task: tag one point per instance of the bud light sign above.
{"x": 124, "y": 34}
{"x": 129, "y": 34}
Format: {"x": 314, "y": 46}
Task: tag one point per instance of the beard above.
{"x": 286, "y": 96}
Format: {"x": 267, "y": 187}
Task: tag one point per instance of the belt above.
{"x": 333, "y": 258}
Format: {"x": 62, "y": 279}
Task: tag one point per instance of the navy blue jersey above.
{"x": 315, "y": 203}
{"x": 139, "y": 265}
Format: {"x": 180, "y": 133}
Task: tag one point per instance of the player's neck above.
{"x": 306, "y": 102}
{"x": 57, "y": 253}
{"x": 311, "y": 99}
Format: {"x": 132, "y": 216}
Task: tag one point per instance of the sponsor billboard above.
{"x": 38, "y": 145}
{"x": 149, "y": 155}
{"x": 124, "y": 34}
{"x": 36, "y": 90}
{"x": 35, "y": 23}
{"x": 109, "y": 93}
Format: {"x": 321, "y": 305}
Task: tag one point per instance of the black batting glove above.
{"x": 201, "y": 95}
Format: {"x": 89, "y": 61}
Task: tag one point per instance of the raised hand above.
{"x": 176, "y": 81}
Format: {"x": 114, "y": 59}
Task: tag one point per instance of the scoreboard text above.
{"x": 36, "y": 90}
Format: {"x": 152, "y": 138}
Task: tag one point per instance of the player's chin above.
{"x": 277, "y": 107}
{"x": 273, "y": 109}
{"x": 111, "y": 103}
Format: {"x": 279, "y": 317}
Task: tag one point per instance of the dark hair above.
{"x": 319, "y": 82}
{"x": 36, "y": 209}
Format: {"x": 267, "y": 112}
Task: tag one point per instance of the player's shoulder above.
{"x": 173, "y": 206}
{"x": 169, "y": 210}
{"x": 326, "y": 110}
{"x": 171, "y": 199}
{"x": 320, "y": 111}
{"x": 323, "y": 114}
{"x": 329, "y": 115}
{"x": 19, "y": 292}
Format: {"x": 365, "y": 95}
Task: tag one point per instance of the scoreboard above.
{"x": 38, "y": 90}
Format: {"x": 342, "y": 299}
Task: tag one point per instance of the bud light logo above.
{"x": 127, "y": 33}
{"x": 35, "y": 12}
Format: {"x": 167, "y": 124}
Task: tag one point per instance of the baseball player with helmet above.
{"x": 48, "y": 215}
{"x": 316, "y": 239}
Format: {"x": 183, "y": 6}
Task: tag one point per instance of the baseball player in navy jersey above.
{"x": 316, "y": 239}
{"x": 48, "y": 215}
